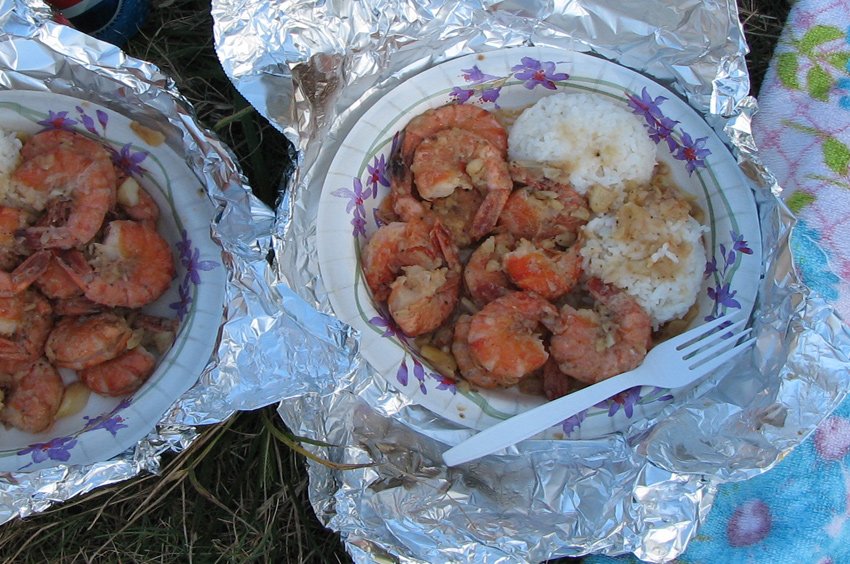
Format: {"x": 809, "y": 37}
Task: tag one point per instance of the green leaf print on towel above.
{"x": 813, "y": 57}
{"x": 818, "y": 35}
{"x": 836, "y": 155}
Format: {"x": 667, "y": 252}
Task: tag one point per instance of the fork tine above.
{"x": 714, "y": 362}
{"x": 710, "y": 349}
{"x": 723, "y": 333}
{"x": 700, "y": 332}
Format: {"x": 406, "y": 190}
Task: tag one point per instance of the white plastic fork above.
{"x": 671, "y": 364}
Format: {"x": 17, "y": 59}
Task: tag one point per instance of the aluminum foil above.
{"x": 269, "y": 338}
{"x": 313, "y": 68}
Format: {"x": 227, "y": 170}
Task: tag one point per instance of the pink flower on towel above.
{"x": 832, "y": 438}
{"x": 749, "y": 524}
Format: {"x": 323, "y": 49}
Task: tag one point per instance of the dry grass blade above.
{"x": 292, "y": 443}
{"x": 239, "y": 494}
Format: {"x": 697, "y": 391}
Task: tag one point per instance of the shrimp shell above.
{"x": 34, "y": 398}
{"x": 505, "y": 337}
{"x": 72, "y": 173}
{"x": 80, "y": 342}
{"x": 132, "y": 267}
{"x": 121, "y": 375}
{"x": 550, "y": 273}
{"x": 594, "y": 346}
{"x": 25, "y": 322}
{"x": 470, "y": 118}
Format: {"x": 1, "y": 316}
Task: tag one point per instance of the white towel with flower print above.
{"x": 803, "y": 136}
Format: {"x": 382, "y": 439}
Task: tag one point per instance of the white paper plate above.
{"x": 515, "y": 78}
{"x": 108, "y": 426}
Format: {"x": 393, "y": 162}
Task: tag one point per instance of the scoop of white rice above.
{"x": 590, "y": 139}
{"x": 10, "y": 155}
{"x": 660, "y": 263}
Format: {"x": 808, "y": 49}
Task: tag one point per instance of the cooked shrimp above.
{"x": 459, "y": 159}
{"x": 415, "y": 268}
{"x": 132, "y": 267}
{"x": 598, "y": 344}
{"x": 136, "y": 203}
{"x": 484, "y": 274}
{"x": 127, "y": 372}
{"x": 25, "y": 321}
{"x": 156, "y": 332}
{"x": 455, "y": 158}
{"x": 421, "y": 300}
{"x": 548, "y": 272}
{"x": 122, "y": 375}
{"x": 505, "y": 337}
{"x": 469, "y": 368}
{"x": 543, "y": 208}
{"x": 462, "y": 116}
{"x": 74, "y": 176}
{"x": 34, "y": 397}
{"x": 80, "y": 342}
{"x": 8, "y": 367}
{"x": 48, "y": 140}
{"x": 396, "y": 245}
{"x": 471, "y": 118}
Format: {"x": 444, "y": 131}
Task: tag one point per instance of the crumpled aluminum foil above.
{"x": 313, "y": 68}
{"x": 269, "y": 337}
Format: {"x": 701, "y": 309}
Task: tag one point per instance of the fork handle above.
{"x": 527, "y": 424}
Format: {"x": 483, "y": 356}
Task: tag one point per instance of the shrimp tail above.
{"x": 405, "y": 204}
{"x": 75, "y": 264}
{"x": 442, "y": 239}
{"x": 487, "y": 215}
{"x": 26, "y": 273}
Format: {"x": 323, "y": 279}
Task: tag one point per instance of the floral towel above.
{"x": 799, "y": 512}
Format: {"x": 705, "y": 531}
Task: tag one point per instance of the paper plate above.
{"x": 108, "y": 426}
{"x": 512, "y": 79}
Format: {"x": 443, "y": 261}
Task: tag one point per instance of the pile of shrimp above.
{"x": 79, "y": 255}
{"x": 478, "y": 259}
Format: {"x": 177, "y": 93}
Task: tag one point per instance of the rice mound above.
{"x": 587, "y": 138}
{"x": 654, "y": 251}
{"x": 10, "y": 155}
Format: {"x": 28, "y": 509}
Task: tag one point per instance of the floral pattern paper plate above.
{"x": 108, "y": 426}
{"x": 357, "y": 181}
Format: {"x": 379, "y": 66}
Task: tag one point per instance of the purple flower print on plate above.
{"x": 692, "y": 152}
{"x": 536, "y": 73}
{"x": 661, "y": 128}
{"x": 625, "y": 400}
{"x": 444, "y": 382}
{"x": 89, "y": 123}
{"x": 58, "y": 449}
{"x": 487, "y": 87}
{"x": 58, "y": 120}
{"x": 190, "y": 259}
{"x": 128, "y": 160}
{"x": 387, "y": 323}
{"x": 357, "y": 196}
{"x": 721, "y": 293}
{"x": 112, "y": 421}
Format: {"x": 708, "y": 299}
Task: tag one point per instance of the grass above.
{"x": 239, "y": 494}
